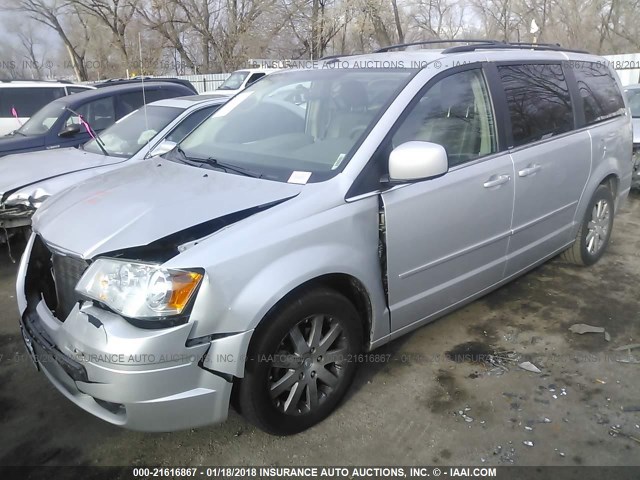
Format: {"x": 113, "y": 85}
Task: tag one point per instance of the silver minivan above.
{"x": 258, "y": 261}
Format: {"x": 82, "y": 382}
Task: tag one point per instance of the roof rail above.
{"x": 9, "y": 80}
{"x": 555, "y": 47}
{"x": 434, "y": 42}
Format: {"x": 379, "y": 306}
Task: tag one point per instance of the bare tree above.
{"x": 116, "y": 15}
{"x": 52, "y": 13}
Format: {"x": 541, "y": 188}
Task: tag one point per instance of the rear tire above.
{"x": 301, "y": 362}
{"x": 595, "y": 231}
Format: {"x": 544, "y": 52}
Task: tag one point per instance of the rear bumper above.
{"x": 154, "y": 383}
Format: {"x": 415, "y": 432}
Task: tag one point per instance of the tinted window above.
{"x": 538, "y": 100}
{"x": 99, "y": 114}
{"x": 633, "y": 97}
{"x": 189, "y": 123}
{"x": 130, "y": 102}
{"x": 27, "y": 101}
{"x": 599, "y": 91}
{"x": 134, "y": 100}
{"x": 254, "y": 77}
{"x": 455, "y": 113}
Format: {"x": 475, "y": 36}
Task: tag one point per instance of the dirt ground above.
{"x": 422, "y": 406}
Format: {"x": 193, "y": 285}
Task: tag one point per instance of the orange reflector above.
{"x": 183, "y": 286}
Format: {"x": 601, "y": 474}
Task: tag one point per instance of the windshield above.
{"x": 234, "y": 81}
{"x": 127, "y": 136}
{"x": 633, "y": 96}
{"x": 42, "y": 120}
{"x": 298, "y": 127}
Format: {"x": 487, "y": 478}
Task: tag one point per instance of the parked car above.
{"x": 19, "y": 99}
{"x": 276, "y": 244}
{"x": 27, "y": 179}
{"x": 241, "y": 79}
{"x": 136, "y": 80}
{"x": 58, "y": 124}
{"x": 633, "y": 96}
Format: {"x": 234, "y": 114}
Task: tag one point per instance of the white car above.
{"x": 241, "y": 79}
{"x": 27, "y": 179}
{"x": 21, "y": 99}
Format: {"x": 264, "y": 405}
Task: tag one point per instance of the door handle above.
{"x": 495, "y": 182}
{"x": 530, "y": 170}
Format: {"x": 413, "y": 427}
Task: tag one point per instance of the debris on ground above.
{"x": 529, "y": 367}
{"x": 582, "y": 328}
{"x": 627, "y": 348}
{"x": 631, "y": 408}
{"x": 615, "y": 431}
{"x": 528, "y": 443}
{"x": 601, "y": 381}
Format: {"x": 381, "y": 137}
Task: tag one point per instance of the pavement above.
{"x": 450, "y": 393}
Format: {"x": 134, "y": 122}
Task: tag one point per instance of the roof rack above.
{"x": 470, "y": 45}
{"x": 555, "y": 47}
{"x": 9, "y": 80}
{"x": 434, "y": 42}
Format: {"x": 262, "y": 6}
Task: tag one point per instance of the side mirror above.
{"x": 162, "y": 148}
{"x": 417, "y": 161}
{"x": 69, "y": 131}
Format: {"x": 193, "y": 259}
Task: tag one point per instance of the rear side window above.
{"x": 538, "y": 100}
{"x": 601, "y": 97}
{"x": 134, "y": 100}
{"x": 130, "y": 102}
{"x": 27, "y": 101}
{"x": 253, "y": 78}
{"x": 189, "y": 123}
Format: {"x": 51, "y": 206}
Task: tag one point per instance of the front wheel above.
{"x": 595, "y": 230}
{"x": 300, "y": 362}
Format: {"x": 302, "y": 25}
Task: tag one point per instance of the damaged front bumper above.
{"x": 141, "y": 379}
{"x": 15, "y": 216}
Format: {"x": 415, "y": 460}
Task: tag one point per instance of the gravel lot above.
{"x": 406, "y": 410}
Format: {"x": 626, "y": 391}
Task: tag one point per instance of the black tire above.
{"x": 274, "y": 362}
{"x": 579, "y": 253}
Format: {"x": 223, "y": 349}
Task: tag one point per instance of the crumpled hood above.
{"x": 16, "y": 143}
{"x": 138, "y": 204}
{"x": 636, "y": 130}
{"x": 17, "y": 171}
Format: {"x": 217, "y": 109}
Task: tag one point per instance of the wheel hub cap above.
{"x": 309, "y": 365}
{"x": 598, "y": 227}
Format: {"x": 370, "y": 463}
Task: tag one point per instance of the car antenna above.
{"x": 90, "y": 131}
{"x": 144, "y": 96}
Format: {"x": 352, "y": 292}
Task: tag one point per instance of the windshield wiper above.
{"x": 91, "y": 132}
{"x": 212, "y": 162}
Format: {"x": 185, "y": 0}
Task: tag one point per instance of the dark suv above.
{"x": 67, "y": 122}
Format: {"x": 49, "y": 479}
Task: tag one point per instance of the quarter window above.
{"x": 539, "y": 101}
{"x": 455, "y": 113}
{"x": 601, "y": 97}
{"x": 27, "y": 101}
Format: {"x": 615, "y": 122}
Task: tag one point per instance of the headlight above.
{"x": 139, "y": 290}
